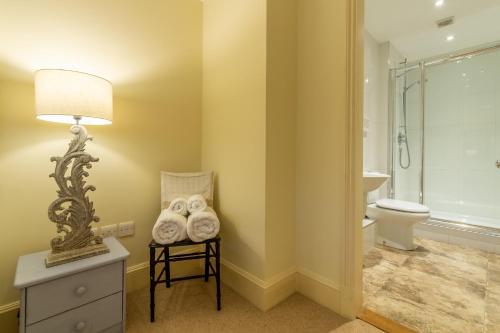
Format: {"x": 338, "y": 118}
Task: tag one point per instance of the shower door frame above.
{"x": 422, "y": 65}
{"x": 391, "y": 125}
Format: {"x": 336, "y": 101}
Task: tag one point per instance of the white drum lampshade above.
{"x": 66, "y": 96}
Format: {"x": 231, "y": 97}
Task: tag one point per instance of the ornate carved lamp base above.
{"x": 54, "y": 259}
{"x": 72, "y": 211}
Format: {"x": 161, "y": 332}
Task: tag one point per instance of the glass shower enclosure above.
{"x": 444, "y": 135}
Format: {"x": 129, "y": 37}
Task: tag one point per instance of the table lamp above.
{"x": 76, "y": 98}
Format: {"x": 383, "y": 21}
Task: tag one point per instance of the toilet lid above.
{"x": 403, "y": 206}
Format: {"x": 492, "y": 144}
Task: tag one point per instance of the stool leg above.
{"x": 152, "y": 283}
{"x": 207, "y": 260}
{"x": 217, "y": 274}
{"x": 167, "y": 266}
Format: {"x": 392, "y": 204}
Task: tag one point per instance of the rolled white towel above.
{"x": 203, "y": 225}
{"x": 196, "y": 203}
{"x": 170, "y": 227}
{"x": 179, "y": 206}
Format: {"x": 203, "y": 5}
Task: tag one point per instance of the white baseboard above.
{"x": 9, "y": 307}
{"x": 319, "y": 289}
{"x": 318, "y": 278}
{"x": 263, "y": 294}
{"x": 266, "y": 294}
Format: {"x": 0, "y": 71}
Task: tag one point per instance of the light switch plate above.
{"x": 109, "y": 230}
{"x": 126, "y": 229}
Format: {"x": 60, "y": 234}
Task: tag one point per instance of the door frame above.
{"x": 352, "y": 279}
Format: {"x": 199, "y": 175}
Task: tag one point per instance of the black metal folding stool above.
{"x": 166, "y": 258}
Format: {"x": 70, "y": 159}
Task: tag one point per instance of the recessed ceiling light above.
{"x": 450, "y": 38}
{"x": 439, "y": 3}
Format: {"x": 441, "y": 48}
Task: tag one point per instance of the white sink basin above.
{"x": 373, "y": 180}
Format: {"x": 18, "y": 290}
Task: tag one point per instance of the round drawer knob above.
{"x": 80, "y": 290}
{"x": 80, "y": 326}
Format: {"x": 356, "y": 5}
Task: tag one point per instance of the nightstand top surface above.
{"x": 31, "y": 268}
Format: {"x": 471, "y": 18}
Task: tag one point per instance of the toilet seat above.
{"x": 395, "y": 220}
{"x": 402, "y": 206}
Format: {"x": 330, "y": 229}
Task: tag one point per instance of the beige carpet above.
{"x": 190, "y": 307}
{"x": 439, "y": 287}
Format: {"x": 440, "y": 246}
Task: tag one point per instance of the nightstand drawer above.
{"x": 53, "y": 297}
{"x": 95, "y": 317}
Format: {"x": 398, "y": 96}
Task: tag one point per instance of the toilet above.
{"x": 395, "y": 220}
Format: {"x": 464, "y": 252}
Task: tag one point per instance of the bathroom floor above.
{"x": 439, "y": 287}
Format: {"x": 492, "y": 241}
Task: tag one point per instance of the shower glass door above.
{"x": 406, "y": 135}
{"x": 462, "y": 140}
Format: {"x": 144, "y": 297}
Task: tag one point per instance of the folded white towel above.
{"x": 179, "y": 206}
{"x": 196, "y": 203}
{"x": 170, "y": 227}
{"x": 203, "y": 225}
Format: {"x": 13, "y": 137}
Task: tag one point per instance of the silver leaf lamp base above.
{"x": 73, "y": 212}
{"x": 54, "y": 259}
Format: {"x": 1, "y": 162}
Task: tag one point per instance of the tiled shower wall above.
{"x": 379, "y": 57}
{"x": 462, "y": 137}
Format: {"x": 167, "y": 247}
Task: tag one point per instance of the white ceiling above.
{"x": 410, "y": 25}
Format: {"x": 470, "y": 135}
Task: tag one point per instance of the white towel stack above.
{"x": 196, "y": 203}
{"x": 203, "y": 225}
{"x": 170, "y": 227}
{"x": 173, "y": 226}
{"x": 179, "y": 206}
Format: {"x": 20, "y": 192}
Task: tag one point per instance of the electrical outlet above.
{"x": 126, "y": 229}
{"x": 109, "y": 230}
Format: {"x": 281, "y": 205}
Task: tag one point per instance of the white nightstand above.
{"x": 87, "y": 295}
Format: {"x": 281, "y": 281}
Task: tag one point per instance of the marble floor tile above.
{"x": 378, "y": 266}
{"x": 466, "y": 255}
{"x": 403, "y": 311}
{"x": 493, "y": 299}
{"x": 439, "y": 287}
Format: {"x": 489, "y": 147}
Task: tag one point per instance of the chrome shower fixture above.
{"x": 403, "y": 131}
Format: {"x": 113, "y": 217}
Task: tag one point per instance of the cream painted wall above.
{"x": 379, "y": 59}
{"x": 281, "y": 165}
{"x": 249, "y": 107}
{"x": 376, "y": 116}
{"x": 234, "y": 125}
{"x": 143, "y": 139}
{"x": 156, "y": 126}
{"x": 273, "y": 128}
{"x": 321, "y": 137}
{"x": 280, "y": 134}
